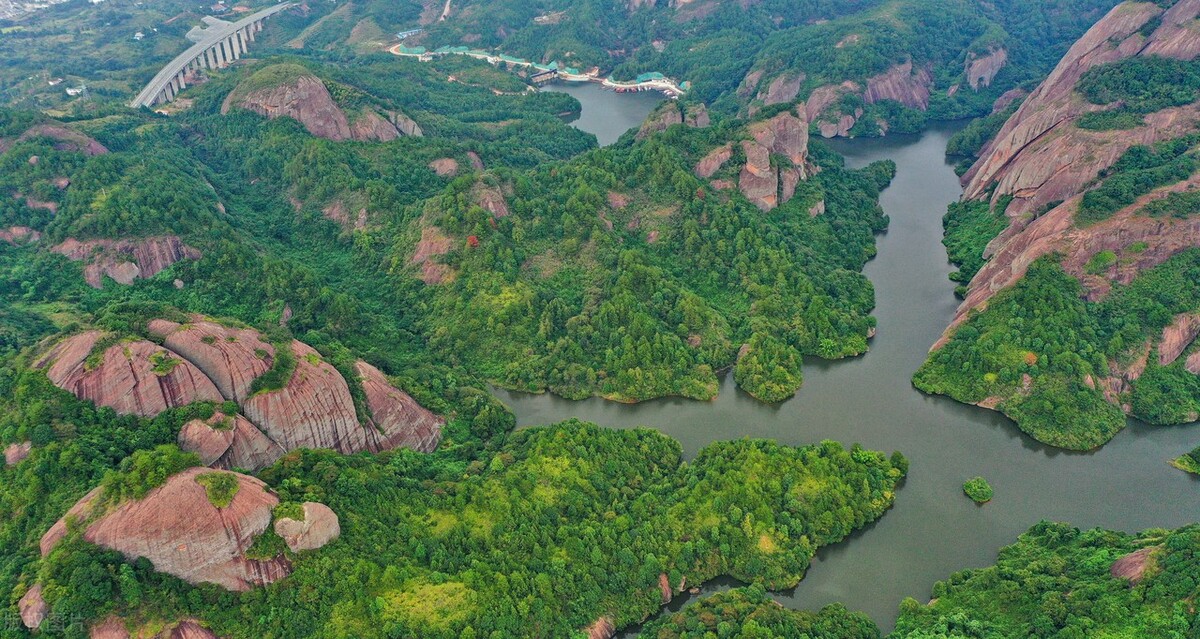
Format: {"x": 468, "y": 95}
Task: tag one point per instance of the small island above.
{"x": 979, "y": 490}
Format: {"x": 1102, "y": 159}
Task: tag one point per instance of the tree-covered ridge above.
{"x": 1058, "y": 581}
{"x": 750, "y": 613}
{"x": 1050, "y": 360}
{"x": 622, "y": 274}
{"x": 561, "y": 525}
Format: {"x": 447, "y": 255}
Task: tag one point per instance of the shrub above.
{"x": 979, "y": 490}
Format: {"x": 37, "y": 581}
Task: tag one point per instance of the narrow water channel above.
{"x": 934, "y": 530}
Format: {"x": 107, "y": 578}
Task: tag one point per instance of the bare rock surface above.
{"x": 19, "y": 235}
{"x": 33, "y": 607}
{"x": 66, "y": 139}
{"x": 304, "y": 99}
{"x": 320, "y": 526}
{"x": 1132, "y": 567}
{"x": 444, "y": 167}
{"x": 903, "y": 84}
{"x": 16, "y": 453}
{"x": 1178, "y": 336}
{"x": 133, "y": 378}
{"x": 711, "y": 163}
{"x": 398, "y": 420}
{"x": 126, "y": 260}
{"x": 231, "y": 357}
{"x": 229, "y": 442}
{"x": 983, "y": 69}
{"x": 767, "y": 186}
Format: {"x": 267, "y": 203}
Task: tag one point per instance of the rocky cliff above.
{"x": 670, "y": 113}
{"x": 1041, "y": 159}
{"x": 319, "y": 527}
{"x": 289, "y": 91}
{"x": 776, "y": 160}
{"x": 116, "y": 628}
{"x": 126, "y": 260}
{"x": 204, "y": 360}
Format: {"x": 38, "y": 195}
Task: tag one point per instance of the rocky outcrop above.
{"x": 398, "y": 420}
{"x": 114, "y": 628}
{"x": 320, "y": 526}
{"x": 784, "y": 135}
{"x": 981, "y": 70}
{"x": 1178, "y": 336}
{"x": 79, "y": 514}
{"x": 433, "y": 243}
{"x": 229, "y": 442}
{"x": 16, "y": 453}
{"x": 784, "y": 88}
{"x": 19, "y": 235}
{"x": 1132, "y": 567}
{"x": 901, "y": 83}
{"x": 490, "y": 199}
{"x": 696, "y": 116}
{"x": 1007, "y": 98}
{"x": 314, "y": 409}
{"x": 182, "y": 533}
{"x": 370, "y": 126}
{"x": 126, "y": 260}
{"x": 232, "y": 357}
{"x": 33, "y": 608}
{"x": 711, "y": 163}
{"x": 65, "y": 139}
{"x": 444, "y": 167}
{"x": 405, "y": 124}
{"x": 133, "y": 378}
{"x": 602, "y": 628}
{"x": 338, "y": 212}
{"x": 670, "y": 113}
{"x": 304, "y": 99}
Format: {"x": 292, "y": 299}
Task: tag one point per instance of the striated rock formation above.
{"x": 320, "y": 526}
{"x": 229, "y": 442}
{"x": 602, "y": 628}
{"x": 33, "y": 608}
{"x": 78, "y": 514}
{"x": 133, "y": 378}
{"x": 1178, "y": 336}
{"x": 126, "y": 260}
{"x": 491, "y": 199}
{"x": 670, "y": 113}
{"x": 369, "y": 125}
{"x": 405, "y": 124}
{"x": 696, "y": 116}
{"x": 433, "y": 243}
{"x": 398, "y": 420}
{"x": 783, "y": 88}
{"x": 1132, "y": 567}
{"x": 337, "y": 212}
{"x": 66, "y": 139}
{"x": 304, "y": 99}
{"x": 713, "y": 162}
{"x": 178, "y": 529}
{"x": 16, "y": 453}
{"x": 784, "y": 135}
{"x": 231, "y": 357}
{"x": 903, "y": 84}
{"x": 983, "y": 69}
{"x": 114, "y": 628}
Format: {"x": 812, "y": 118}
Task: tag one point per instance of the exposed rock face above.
{"x": 1132, "y": 567}
{"x": 982, "y": 70}
{"x": 178, "y": 529}
{"x": 229, "y": 442}
{"x": 320, "y": 526}
{"x": 126, "y": 378}
{"x": 1178, "y": 336}
{"x": 114, "y": 628}
{"x": 372, "y": 126}
{"x": 661, "y": 119}
{"x": 16, "y": 453}
{"x": 903, "y": 84}
{"x": 713, "y": 162}
{"x": 126, "y": 260}
{"x": 696, "y": 116}
{"x": 67, "y": 139}
{"x": 78, "y": 514}
{"x": 602, "y": 628}
{"x": 783, "y": 88}
{"x": 1040, "y": 157}
{"x": 314, "y": 409}
{"x": 405, "y": 124}
{"x": 231, "y": 357}
{"x": 398, "y": 420}
{"x": 433, "y": 243}
{"x": 785, "y": 135}
{"x": 19, "y": 235}
{"x": 33, "y": 608}
{"x": 444, "y": 166}
{"x": 491, "y": 199}
{"x": 337, "y": 212}
{"x": 305, "y": 100}
{"x": 1007, "y": 98}
{"x": 191, "y": 630}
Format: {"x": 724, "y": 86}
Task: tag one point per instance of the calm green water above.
{"x": 607, "y": 114}
{"x": 933, "y": 530}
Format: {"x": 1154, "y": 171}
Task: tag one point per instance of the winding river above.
{"x": 933, "y": 530}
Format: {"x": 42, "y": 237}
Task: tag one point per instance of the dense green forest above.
{"x": 1058, "y": 581}
{"x": 1042, "y": 353}
{"x": 750, "y": 613}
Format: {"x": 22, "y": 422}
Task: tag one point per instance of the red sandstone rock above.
{"x": 602, "y": 628}
{"x": 304, "y": 99}
{"x": 758, "y": 180}
{"x": 77, "y": 515}
{"x": 661, "y": 119}
{"x": 229, "y": 442}
{"x": 191, "y": 630}
{"x": 111, "y": 627}
{"x": 903, "y": 84}
{"x": 711, "y": 163}
{"x": 126, "y": 260}
{"x": 433, "y": 243}
{"x": 398, "y": 420}
{"x": 19, "y": 235}
{"x": 314, "y": 409}
{"x": 1178, "y": 336}
{"x": 320, "y": 526}
{"x": 696, "y": 116}
{"x": 444, "y": 166}
{"x": 981, "y": 70}
{"x": 370, "y": 126}
{"x": 765, "y": 186}
{"x": 491, "y": 200}
{"x": 33, "y": 608}
{"x": 125, "y": 379}
{"x": 664, "y": 586}
{"x": 16, "y": 453}
{"x": 336, "y": 211}
{"x": 784, "y": 88}
{"x": 1132, "y": 567}
{"x": 178, "y": 529}
{"x": 231, "y": 357}
{"x": 67, "y": 139}
{"x": 476, "y": 161}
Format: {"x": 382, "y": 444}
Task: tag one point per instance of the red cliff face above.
{"x": 16, "y": 453}
{"x": 1040, "y": 157}
{"x": 981, "y": 70}
{"x": 115, "y": 628}
{"x": 231, "y": 357}
{"x": 784, "y": 135}
{"x": 126, "y": 260}
{"x": 319, "y": 527}
{"x": 398, "y": 421}
{"x": 903, "y": 84}
{"x": 178, "y": 529}
{"x": 304, "y": 99}
{"x": 133, "y": 378}
{"x": 228, "y": 442}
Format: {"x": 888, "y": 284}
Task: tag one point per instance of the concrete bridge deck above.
{"x": 215, "y": 47}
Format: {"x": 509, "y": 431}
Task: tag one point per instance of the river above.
{"x": 607, "y": 114}
{"x": 933, "y": 530}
